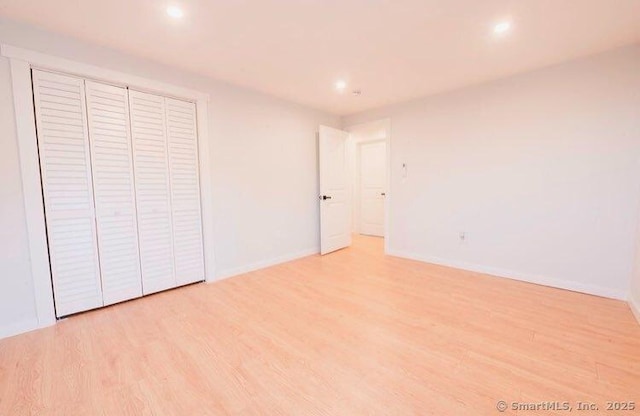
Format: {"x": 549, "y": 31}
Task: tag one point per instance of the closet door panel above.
{"x": 113, "y": 186}
{"x": 153, "y": 196}
{"x": 65, "y": 168}
{"x": 185, "y": 191}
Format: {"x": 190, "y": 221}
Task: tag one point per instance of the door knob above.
{"x": 325, "y": 197}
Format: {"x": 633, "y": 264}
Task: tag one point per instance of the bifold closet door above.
{"x": 185, "y": 191}
{"x": 113, "y": 187}
{"x": 153, "y": 195}
{"x": 63, "y": 146}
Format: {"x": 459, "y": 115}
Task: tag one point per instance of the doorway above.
{"x": 370, "y": 187}
{"x": 354, "y": 177}
{"x": 370, "y": 158}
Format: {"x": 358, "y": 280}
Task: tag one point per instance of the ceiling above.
{"x": 391, "y": 50}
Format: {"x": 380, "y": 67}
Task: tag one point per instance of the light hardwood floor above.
{"x": 351, "y": 333}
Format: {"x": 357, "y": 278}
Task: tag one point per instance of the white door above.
{"x": 335, "y": 209}
{"x": 113, "y": 187}
{"x": 372, "y": 180}
{"x": 65, "y": 167}
{"x": 153, "y": 195}
{"x": 185, "y": 191}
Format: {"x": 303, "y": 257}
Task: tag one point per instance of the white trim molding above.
{"x": 19, "y": 328}
{"x": 386, "y": 122}
{"x": 513, "y": 275}
{"x": 225, "y": 274}
{"x": 21, "y": 61}
{"x": 32, "y": 191}
{"x": 54, "y": 63}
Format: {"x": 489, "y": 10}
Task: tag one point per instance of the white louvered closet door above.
{"x": 68, "y": 196}
{"x": 185, "y": 191}
{"x": 113, "y": 187}
{"x": 153, "y": 196}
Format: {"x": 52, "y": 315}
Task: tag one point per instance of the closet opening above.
{"x": 119, "y": 171}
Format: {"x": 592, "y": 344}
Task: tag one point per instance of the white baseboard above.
{"x": 634, "y": 304}
{"x": 510, "y": 274}
{"x": 264, "y": 263}
{"x": 18, "y": 328}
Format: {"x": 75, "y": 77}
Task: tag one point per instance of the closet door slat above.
{"x": 113, "y": 186}
{"x": 185, "y": 191}
{"x": 153, "y": 195}
{"x": 65, "y": 167}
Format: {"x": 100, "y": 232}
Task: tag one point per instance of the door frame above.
{"x": 21, "y": 62}
{"x": 357, "y": 190}
{"x": 379, "y": 130}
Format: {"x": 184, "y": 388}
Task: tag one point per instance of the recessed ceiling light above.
{"x": 341, "y": 85}
{"x": 175, "y": 12}
{"x": 501, "y": 28}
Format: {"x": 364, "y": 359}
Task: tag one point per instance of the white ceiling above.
{"x": 393, "y": 50}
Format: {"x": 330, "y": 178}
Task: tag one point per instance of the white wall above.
{"x": 264, "y": 168}
{"x": 541, "y": 170}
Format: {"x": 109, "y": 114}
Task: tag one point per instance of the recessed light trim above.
{"x": 175, "y": 12}
{"x": 341, "y": 85}
{"x": 502, "y": 27}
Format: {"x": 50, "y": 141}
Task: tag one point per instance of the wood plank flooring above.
{"x": 351, "y": 333}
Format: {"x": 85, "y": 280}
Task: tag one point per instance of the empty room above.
{"x": 296, "y": 207}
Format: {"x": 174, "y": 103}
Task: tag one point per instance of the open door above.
{"x": 335, "y": 209}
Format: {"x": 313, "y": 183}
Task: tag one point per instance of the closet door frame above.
{"x": 21, "y": 63}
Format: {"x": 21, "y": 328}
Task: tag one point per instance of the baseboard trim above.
{"x": 634, "y": 304}
{"x": 510, "y": 274}
{"x": 18, "y": 328}
{"x": 225, "y": 274}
